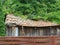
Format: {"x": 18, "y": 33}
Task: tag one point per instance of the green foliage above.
{"x": 2, "y": 25}
{"x": 2, "y": 16}
{"x": 48, "y": 10}
{"x": 54, "y": 17}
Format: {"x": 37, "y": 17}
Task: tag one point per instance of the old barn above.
{"x": 28, "y": 32}
{"x": 16, "y": 26}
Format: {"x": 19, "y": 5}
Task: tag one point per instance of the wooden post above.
{"x": 52, "y": 40}
{"x": 58, "y": 31}
{"x": 7, "y": 31}
{"x": 52, "y": 31}
{"x": 23, "y": 33}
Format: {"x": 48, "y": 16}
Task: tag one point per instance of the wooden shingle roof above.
{"x": 11, "y": 19}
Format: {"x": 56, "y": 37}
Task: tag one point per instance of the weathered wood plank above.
{"x": 30, "y": 40}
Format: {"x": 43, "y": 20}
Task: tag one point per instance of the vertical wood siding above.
{"x": 33, "y": 31}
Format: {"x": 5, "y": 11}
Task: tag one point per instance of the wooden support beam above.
{"x": 23, "y": 33}
{"x": 58, "y": 31}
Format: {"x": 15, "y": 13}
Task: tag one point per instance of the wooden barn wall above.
{"x": 32, "y": 31}
{"x": 36, "y": 31}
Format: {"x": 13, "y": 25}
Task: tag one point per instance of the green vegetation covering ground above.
{"x": 48, "y": 10}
